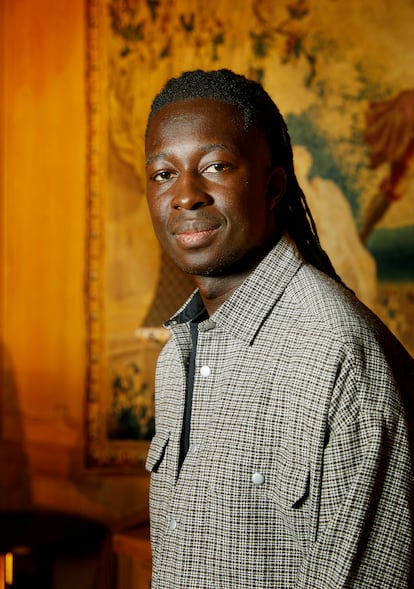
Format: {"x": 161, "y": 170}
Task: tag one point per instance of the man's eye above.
{"x": 217, "y": 167}
{"x": 162, "y": 176}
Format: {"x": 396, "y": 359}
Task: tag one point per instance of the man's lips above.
{"x": 194, "y": 232}
{"x": 193, "y": 225}
{"x": 195, "y": 238}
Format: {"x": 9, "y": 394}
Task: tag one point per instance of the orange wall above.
{"x": 42, "y": 251}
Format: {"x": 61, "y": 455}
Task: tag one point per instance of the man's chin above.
{"x": 192, "y": 271}
{"x": 222, "y": 270}
{"x": 234, "y": 263}
{"x": 201, "y": 268}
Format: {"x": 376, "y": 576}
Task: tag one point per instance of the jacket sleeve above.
{"x": 365, "y": 508}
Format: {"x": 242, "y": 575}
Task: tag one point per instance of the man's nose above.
{"x": 190, "y": 193}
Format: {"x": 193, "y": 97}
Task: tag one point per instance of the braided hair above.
{"x": 257, "y": 110}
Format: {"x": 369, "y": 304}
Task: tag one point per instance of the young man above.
{"x": 282, "y": 454}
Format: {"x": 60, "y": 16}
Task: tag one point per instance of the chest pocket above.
{"x": 274, "y": 488}
{"x": 157, "y": 450}
{"x": 282, "y": 479}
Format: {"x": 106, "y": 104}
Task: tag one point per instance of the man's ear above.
{"x": 276, "y": 186}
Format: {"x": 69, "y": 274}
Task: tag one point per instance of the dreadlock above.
{"x": 257, "y": 110}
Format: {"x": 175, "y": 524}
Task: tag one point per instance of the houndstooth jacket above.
{"x": 299, "y": 470}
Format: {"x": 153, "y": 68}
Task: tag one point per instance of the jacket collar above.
{"x": 247, "y": 308}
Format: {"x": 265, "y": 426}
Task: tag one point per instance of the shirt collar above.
{"x": 192, "y": 309}
{"x": 246, "y": 309}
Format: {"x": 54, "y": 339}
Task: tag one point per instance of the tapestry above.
{"x": 341, "y": 72}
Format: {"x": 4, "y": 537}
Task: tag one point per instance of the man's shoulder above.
{"x": 325, "y": 300}
{"x": 336, "y": 313}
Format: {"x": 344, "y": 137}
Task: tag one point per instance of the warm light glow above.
{"x": 9, "y": 568}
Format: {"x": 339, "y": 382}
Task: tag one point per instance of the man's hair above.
{"x": 257, "y": 110}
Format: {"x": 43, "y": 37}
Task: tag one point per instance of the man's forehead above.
{"x": 195, "y": 115}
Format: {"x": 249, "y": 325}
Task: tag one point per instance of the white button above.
{"x": 257, "y": 479}
{"x": 194, "y": 448}
{"x": 173, "y": 524}
{"x": 205, "y": 371}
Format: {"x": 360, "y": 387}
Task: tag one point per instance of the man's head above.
{"x": 211, "y": 187}
{"x": 256, "y": 111}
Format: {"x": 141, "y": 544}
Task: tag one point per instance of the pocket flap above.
{"x": 157, "y": 450}
{"x": 292, "y": 484}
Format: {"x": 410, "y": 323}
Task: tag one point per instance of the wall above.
{"x": 42, "y": 252}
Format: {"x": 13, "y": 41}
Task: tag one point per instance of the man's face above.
{"x": 210, "y": 188}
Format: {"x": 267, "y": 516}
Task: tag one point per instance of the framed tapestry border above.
{"x": 101, "y": 450}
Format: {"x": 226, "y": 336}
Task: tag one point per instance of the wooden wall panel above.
{"x": 43, "y": 220}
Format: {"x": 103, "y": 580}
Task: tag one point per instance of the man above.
{"x": 282, "y": 455}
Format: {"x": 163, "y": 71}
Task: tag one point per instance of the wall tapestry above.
{"x": 341, "y": 72}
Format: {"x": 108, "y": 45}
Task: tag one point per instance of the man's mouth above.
{"x": 195, "y": 238}
{"x": 194, "y": 232}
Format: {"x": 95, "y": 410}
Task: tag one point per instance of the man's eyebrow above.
{"x": 157, "y": 156}
{"x": 204, "y": 148}
{"x": 213, "y": 146}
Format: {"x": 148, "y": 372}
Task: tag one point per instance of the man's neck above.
{"x": 214, "y": 290}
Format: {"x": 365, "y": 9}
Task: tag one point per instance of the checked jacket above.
{"x": 298, "y": 473}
